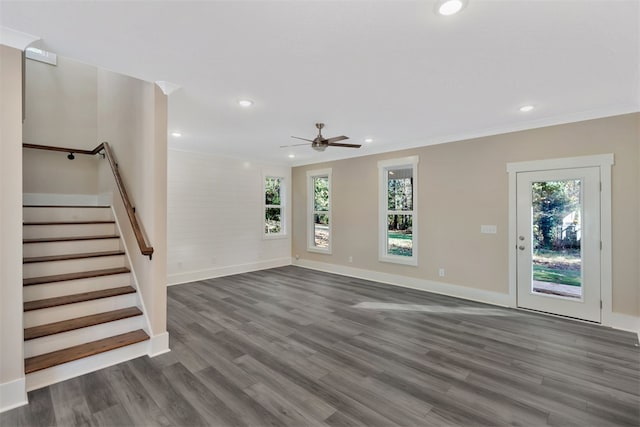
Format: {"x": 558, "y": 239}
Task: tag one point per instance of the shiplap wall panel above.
{"x": 215, "y": 209}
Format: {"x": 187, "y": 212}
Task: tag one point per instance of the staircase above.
{"x": 81, "y": 312}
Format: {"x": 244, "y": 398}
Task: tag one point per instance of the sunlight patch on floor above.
{"x": 436, "y": 309}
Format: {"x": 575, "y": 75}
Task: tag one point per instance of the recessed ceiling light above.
{"x": 245, "y": 103}
{"x": 526, "y": 108}
{"x": 368, "y": 140}
{"x": 450, "y": 7}
{"x": 176, "y": 134}
{"x": 291, "y": 156}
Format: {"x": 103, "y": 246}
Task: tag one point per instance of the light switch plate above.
{"x": 489, "y": 229}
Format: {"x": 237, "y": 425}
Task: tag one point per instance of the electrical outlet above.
{"x": 297, "y": 257}
{"x": 441, "y": 272}
{"x": 350, "y": 259}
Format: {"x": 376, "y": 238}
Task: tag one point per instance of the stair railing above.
{"x": 145, "y": 248}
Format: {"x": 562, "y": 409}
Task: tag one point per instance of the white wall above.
{"x": 50, "y": 172}
{"x": 12, "y": 384}
{"x": 61, "y": 104}
{"x": 132, "y": 118}
{"x": 60, "y": 109}
{"x": 215, "y": 217}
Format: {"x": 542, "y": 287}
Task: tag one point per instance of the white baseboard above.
{"x": 620, "y": 321}
{"x": 457, "y": 291}
{"x": 624, "y": 322}
{"x": 60, "y": 199}
{"x": 159, "y": 344}
{"x": 13, "y": 394}
{"x": 194, "y": 276}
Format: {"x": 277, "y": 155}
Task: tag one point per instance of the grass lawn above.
{"x": 400, "y": 244}
{"x": 544, "y": 273}
{"x": 401, "y": 236}
{"x": 561, "y": 266}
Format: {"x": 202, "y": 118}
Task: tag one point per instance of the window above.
{"x": 398, "y": 217}
{"x": 319, "y": 211}
{"x": 273, "y": 207}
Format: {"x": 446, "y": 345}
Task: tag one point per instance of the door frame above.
{"x": 604, "y": 162}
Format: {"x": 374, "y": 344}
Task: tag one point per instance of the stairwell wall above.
{"x": 12, "y": 380}
{"x": 78, "y": 106}
{"x": 132, "y": 117}
{"x": 61, "y": 104}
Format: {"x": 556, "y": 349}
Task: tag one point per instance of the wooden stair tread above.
{"x": 71, "y": 256}
{"x": 70, "y": 239}
{"x": 44, "y": 361}
{"x": 80, "y": 322}
{"x": 65, "y": 206}
{"x": 81, "y": 297}
{"x": 74, "y": 276}
{"x": 69, "y": 222}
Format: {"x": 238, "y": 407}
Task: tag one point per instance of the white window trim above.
{"x": 383, "y": 166}
{"x": 283, "y": 208}
{"x": 310, "y": 211}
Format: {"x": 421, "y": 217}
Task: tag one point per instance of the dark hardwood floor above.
{"x": 295, "y": 347}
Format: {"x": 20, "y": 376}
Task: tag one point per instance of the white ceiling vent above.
{"x": 41, "y": 55}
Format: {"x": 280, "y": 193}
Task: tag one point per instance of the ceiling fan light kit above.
{"x": 320, "y": 143}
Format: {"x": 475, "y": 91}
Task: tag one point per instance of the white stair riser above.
{"x": 83, "y": 366}
{"x": 67, "y": 230}
{"x": 44, "y": 345}
{"x": 71, "y": 311}
{"x": 68, "y": 339}
{"x": 66, "y": 214}
{"x": 73, "y": 247}
{"x": 38, "y": 269}
{"x": 69, "y": 287}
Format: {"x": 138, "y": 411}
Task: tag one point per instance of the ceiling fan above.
{"x": 320, "y": 143}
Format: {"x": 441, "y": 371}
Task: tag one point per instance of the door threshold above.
{"x": 559, "y": 316}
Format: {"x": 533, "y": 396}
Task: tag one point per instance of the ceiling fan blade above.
{"x": 336, "y": 139}
{"x": 293, "y": 145}
{"x": 333, "y": 144}
{"x": 304, "y": 139}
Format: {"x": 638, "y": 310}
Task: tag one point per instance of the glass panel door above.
{"x": 558, "y": 242}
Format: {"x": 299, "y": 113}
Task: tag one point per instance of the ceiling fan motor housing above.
{"x": 318, "y": 146}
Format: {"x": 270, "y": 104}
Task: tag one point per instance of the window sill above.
{"x": 275, "y": 236}
{"x": 320, "y": 251}
{"x": 413, "y": 261}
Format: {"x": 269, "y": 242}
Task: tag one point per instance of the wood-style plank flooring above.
{"x": 295, "y": 347}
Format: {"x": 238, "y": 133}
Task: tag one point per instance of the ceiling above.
{"x": 393, "y": 71}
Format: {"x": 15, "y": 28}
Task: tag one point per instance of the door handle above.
{"x": 521, "y": 247}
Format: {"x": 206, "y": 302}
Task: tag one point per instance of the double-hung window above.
{"x": 274, "y": 225}
{"x": 398, "y": 191}
{"x": 319, "y": 211}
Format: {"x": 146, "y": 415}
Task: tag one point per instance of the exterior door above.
{"x": 558, "y": 243}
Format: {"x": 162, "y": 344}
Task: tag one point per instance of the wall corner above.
{"x": 13, "y": 394}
